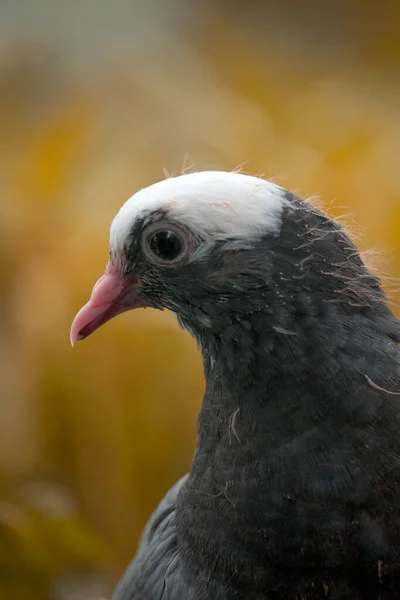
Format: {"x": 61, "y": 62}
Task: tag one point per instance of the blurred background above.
{"x": 98, "y": 99}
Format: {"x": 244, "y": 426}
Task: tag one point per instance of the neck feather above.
{"x": 286, "y": 419}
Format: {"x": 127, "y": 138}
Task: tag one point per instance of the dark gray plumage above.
{"x": 155, "y": 571}
{"x": 294, "y": 487}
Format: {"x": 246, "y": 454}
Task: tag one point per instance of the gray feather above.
{"x": 154, "y": 574}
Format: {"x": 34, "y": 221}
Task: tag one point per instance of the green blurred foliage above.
{"x": 91, "y": 438}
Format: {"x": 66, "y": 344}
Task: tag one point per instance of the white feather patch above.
{"x": 216, "y": 205}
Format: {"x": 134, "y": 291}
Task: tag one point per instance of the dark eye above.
{"x": 166, "y": 245}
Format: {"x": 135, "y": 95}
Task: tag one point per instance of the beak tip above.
{"x": 74, "y": 335}
{"x": 72, "y": 339}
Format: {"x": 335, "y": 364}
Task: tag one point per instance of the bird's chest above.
{"x": 252, "y": 527}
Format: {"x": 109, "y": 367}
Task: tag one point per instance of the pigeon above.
{"x": 294, "y": 487}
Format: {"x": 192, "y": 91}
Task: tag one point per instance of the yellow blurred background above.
{"x": 97, "y": 99}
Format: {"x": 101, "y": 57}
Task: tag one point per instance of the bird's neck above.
{"x": 281, "y": 415}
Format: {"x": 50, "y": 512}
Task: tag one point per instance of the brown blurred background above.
{"x": 96, "y": 99}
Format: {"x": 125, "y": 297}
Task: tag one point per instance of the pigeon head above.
{"x": 218, "y": 249}
{"x": 183, "y": 244}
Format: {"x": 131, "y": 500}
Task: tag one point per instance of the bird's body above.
{"x": 294, "y": 490}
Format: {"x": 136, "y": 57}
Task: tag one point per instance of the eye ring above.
{"x": 166, "y": 243}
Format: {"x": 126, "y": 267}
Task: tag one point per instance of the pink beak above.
{"x": 111, "y": 296}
